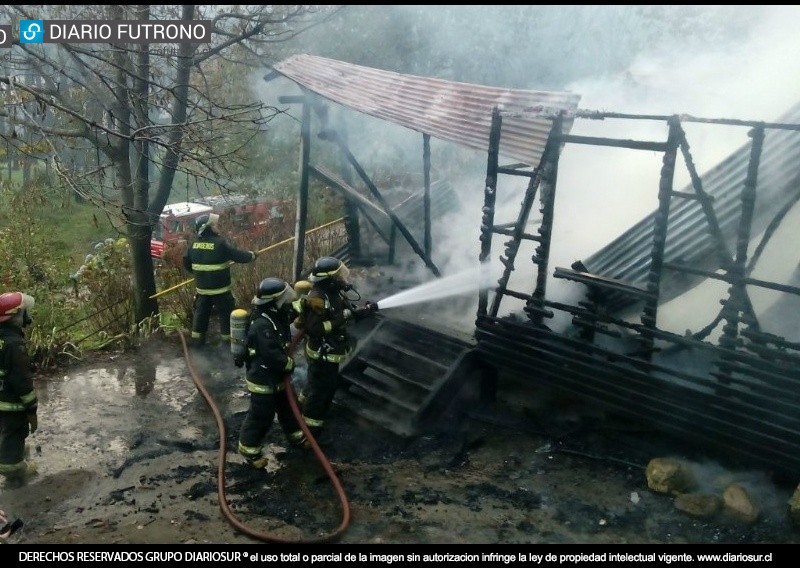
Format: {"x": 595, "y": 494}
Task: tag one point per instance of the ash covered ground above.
{"x": 128, "y": 451}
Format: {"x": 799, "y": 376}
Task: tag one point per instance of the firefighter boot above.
{"x": 22, "y": 474}
{"x": 258, "y": 463}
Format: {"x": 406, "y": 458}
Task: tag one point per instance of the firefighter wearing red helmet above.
{"x": 18, "y": 400}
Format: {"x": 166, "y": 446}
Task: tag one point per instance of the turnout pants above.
{"x": 258, "y": 422}
{"x": 323, "y": 377}
{"x": 13, "y": 431}
{"x": 223, "y": 303}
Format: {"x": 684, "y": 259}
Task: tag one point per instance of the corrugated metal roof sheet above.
{"x": 689, "y": 240}
{"x": 447, "y": 110}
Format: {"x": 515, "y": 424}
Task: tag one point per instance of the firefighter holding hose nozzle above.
{"x": 327, "y": 313}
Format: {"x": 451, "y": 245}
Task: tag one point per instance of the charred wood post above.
{"x": 426, "y": 200}
{"x": 535, "y": 307}
{"x": 333, "y": 137}
{"x": 489, "y": 197}
{"x": 650, "y": 309}
{"x": 302, "y": 192}
{"x": 736, "y": 303}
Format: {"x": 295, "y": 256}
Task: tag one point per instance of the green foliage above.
{"x": 32, "y": 264}
{"x": 103, "y": 281}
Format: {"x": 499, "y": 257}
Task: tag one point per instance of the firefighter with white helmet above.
{"x": 18, "y": 400}
{"x": 208, "y": 258}
{"x": 267, "y": 362}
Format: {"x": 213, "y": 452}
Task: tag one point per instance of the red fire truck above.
{"x": 238, "y": 215}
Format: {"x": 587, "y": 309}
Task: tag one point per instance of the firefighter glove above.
{"x": 367, "y": 310}
{"x": 33, "y": 422}
{"x": 347, "y": 314}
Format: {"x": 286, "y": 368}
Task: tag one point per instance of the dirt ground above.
{"x": 128, "y": 451}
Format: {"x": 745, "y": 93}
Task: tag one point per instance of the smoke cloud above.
{"x": 707, "y": 61}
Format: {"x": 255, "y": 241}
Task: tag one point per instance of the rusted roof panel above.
{"x": 447, "y": 110}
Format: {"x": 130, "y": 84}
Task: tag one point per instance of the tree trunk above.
{"x": 144, "y": 282}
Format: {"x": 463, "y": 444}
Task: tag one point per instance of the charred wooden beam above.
{"x": 738, "y": 300}
{"x": 302, "y": 192}
{"x": 332, "y": 136}
{"x": 489, "y": 197}
{"x": 601, "y": 282}
{"x": 351, "y": 194}
{"x": 426, "y": 201}
{"x": 616, "y": 143}
{"x": 549, "y": 177}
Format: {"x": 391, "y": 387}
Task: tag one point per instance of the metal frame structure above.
{"x": 740, "y": 396}
{"x": 448, "y": 110}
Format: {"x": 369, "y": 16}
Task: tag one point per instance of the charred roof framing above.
{"x": 457, "y": 112}
{"x": 741, "y": 398}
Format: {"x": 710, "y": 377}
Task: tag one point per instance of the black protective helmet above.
{"x": 329, "y": 268}
{"x": 203, "y": 222}
{"x": 273, "y": 290}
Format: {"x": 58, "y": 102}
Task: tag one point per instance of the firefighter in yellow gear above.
{"x": 267, "y": 362}
{"x": 326, "y": 316}
{"x": 208, "y": 258}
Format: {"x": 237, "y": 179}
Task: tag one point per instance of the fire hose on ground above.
{"x": 321, "y": 458}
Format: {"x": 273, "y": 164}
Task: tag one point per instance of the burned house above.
{"x": 728, "y": 385}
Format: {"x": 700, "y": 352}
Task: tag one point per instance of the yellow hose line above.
{"x": 272, "y": 246}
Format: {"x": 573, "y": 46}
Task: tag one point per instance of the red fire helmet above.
{"x": 12, "y": 303}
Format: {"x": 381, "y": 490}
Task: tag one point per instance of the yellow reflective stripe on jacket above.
{"x": 263, "y": 389}
{"x": 209, "y": 267}
{"x": 213, "y": 291}
{"x": 329, "y": 357}
{"x": 11, "y": 407}
{"x": 289, "y": 364}
{"x": 28, "y": 398}
{"x": 327, "y": 325}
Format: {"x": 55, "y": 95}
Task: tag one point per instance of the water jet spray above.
{"x": 470, "y": 280}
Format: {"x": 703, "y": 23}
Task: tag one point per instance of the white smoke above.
{"x": 705, "y": 61}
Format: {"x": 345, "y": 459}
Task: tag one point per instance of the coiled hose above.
{"x": 321, "y": 457}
